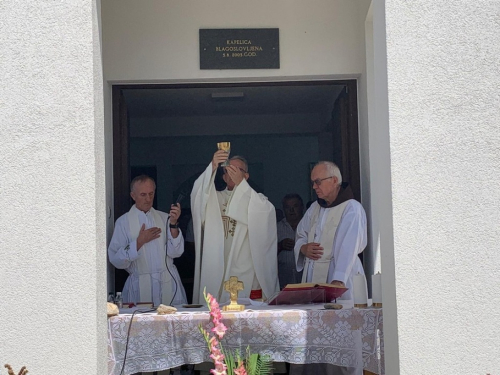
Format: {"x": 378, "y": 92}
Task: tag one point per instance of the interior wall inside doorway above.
{"x": 278, "y": 164}
{"x": 280, "y": 129}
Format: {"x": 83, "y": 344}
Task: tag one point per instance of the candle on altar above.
{"x": 377, "y": 290}
{"x": 360, "y": 290}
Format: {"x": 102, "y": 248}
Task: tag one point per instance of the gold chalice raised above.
{"x": 225, "y": 146}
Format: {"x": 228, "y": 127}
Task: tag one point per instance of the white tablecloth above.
{"x": 307, "y": 334}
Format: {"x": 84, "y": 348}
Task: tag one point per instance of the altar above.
{"x": 294, "y": 334}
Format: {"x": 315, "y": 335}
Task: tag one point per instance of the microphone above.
{"x": 180, "y": 197}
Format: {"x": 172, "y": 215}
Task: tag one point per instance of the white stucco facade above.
{"x": 53, "y": 236}
{"x": 443, "y": 115}
{"x": 429, "y": 109}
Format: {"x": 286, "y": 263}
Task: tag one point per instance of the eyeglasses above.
{"x": 318, "y": 181}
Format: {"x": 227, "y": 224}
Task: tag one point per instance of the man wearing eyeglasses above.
{"x": 329, "y": 238}
{"x": 235, "y": 233}
{"x": 332, "y": 232}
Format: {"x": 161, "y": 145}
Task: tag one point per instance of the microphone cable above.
{"x": 128, "y": 335}
{"x": 179, "y": 199}
{"x": 171, "y": 276}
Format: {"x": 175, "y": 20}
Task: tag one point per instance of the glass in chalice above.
{"x": 225, "y": 146}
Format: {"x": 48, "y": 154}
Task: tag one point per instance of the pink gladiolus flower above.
{"x": 214, "y": 305}
{"x": 215, "y": 372}
{"x": 220, "y": 366}
{"x": 240, "y": 370}
{"x": 215, "y": 346}
{"x": 216, "y": 315}
{"x": 215, "y": 350}
{"x": 220, "y": 369}
{"x": 217, "y": 357}
{"x": 219, "y": 330}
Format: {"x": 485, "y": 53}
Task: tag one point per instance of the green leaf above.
{"x": 229, "y": 361}
{"x": 257, "y": 364}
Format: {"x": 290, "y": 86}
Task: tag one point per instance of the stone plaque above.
{"x": 239, "y": 49}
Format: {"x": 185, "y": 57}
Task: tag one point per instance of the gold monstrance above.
{"x": 233, "y": 285}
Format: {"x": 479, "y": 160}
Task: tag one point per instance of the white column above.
{"x": 380, "y": 178}
{"x": 443, "y": 116}
{"x": 52, "y": 188}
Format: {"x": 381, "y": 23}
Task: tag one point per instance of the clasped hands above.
{"x": 286, "y": 244}
{"x": 234, "y": 173}
{"x": 314, "y": 251}
{"x": 148, "y": 235}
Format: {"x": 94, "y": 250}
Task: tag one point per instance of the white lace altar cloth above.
{"x": 351, "y": 337}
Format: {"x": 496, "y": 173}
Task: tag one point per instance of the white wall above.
{"x": 444, "y": 111}
{"x": 380, "y": 178}
{"x": 158, "y": 39}
{"x": 52, "y": 242}
{"x": 372, "y": 252}
{"x": 433, "y": 146}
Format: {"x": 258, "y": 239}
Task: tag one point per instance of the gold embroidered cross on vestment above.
{"x": 229, "y": 226}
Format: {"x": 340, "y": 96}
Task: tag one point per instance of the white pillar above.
{"x": 443, "y": 121}
{"x": 380, "y": 178}
{"x": 52, "y": 188}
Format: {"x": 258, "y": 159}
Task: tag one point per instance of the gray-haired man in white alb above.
{"x": 329, "y": 238}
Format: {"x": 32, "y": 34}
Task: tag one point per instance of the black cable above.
{"x": 128, "y": 335}
{"x": 179, "y": 199}
{"x": 171, "y": 276}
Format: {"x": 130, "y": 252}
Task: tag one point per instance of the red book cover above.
{"x": 305, "y": 293}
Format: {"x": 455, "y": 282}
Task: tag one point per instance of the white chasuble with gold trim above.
{"x": 235, "y": 235}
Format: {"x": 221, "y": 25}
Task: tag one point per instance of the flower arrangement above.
{"x": 226, "y": 363}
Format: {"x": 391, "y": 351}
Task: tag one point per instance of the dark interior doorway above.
{"x": 171, "y": 131}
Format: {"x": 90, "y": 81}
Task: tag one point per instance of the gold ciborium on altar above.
{"x": 233, "y": 286}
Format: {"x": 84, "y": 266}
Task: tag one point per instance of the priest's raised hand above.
{"x": 235, "y": 173}
{"x": 220, "y": 156}
{"x": 175, "y": 212}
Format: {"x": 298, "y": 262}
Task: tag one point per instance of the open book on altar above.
{"x": 304, "y": 293}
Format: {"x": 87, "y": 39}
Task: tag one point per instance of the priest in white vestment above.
{"x": 332, "y": 232}
{"x": 145, "y": 242}
{"x": 235, "y": 234}
{"x": 329, "y": 238}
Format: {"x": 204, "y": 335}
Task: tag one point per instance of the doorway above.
{"x": 280, "y": 127}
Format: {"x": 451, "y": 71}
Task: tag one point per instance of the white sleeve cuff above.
{"x": 300, "y": 262}
{"x": 131, "y": 251}
{"x": 340, "y": 276}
